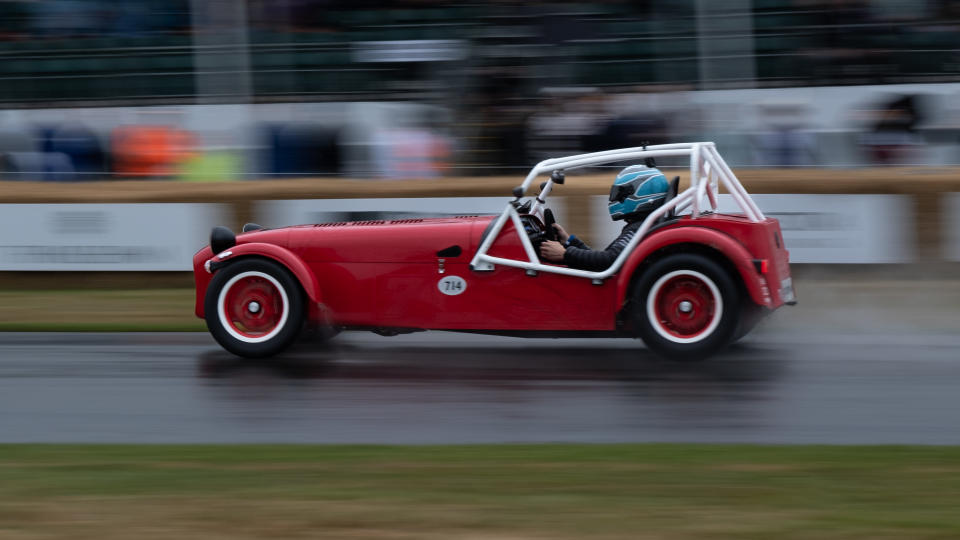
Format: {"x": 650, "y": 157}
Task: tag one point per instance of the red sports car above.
{"x": 689, "y": 282}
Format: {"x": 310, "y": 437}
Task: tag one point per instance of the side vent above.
{"x": 403, "y": 221}
{"x": 452, "y": 251}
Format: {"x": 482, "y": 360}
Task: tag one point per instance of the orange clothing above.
{"x": 150, "y": 150}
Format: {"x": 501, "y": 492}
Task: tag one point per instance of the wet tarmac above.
{"x": 460, "y": 388}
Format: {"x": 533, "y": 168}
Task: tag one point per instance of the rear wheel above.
{"x": 254, "y": 308}
{"x": 686, "y": 307}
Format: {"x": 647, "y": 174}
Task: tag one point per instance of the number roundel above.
{"x": 452, "y": 285}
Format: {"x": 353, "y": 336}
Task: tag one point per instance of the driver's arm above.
{"x": 589, "y": 259}
{"x": 561, "y": 233}
{"x": 573, "y": 241}
{"x": 554, "y": 251}
{"x": 568, "y": 239}
{"x": 584, "y": 258}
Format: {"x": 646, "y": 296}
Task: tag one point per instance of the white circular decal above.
{"x": 452, "y": 285}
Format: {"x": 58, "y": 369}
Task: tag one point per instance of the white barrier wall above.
{"x": 950, "y": 210}
{"x": 854, "y": 229}
{"x": 164, "y": 237}
{"x": 108, "y": 237}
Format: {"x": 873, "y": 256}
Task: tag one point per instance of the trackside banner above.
{"x": 105, "y": 237}
{"x": 819, "y": 229}
{"x": 824, "y": 229}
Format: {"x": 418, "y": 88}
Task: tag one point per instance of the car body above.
{"x": 687, "y": 283}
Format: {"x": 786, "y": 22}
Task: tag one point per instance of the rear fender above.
{"x": 723, "y": 244}
{"x": 287, "y": 258}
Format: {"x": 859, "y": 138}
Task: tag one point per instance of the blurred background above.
{"x": 840, "y": 117}
{"x": 216, "y": 89}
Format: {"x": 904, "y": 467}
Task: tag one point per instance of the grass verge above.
{"x": 80, "y": 310}
{"x": 540, "y": 491}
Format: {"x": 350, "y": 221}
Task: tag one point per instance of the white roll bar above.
{"x": 707, "y": 172}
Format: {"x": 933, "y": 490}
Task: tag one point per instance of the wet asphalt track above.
{"x": 456, "y": 388}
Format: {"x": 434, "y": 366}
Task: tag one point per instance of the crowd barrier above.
{"x": 862, "y": 216}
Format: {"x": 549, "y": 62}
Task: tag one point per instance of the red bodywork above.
{"x": 385, "y": 273}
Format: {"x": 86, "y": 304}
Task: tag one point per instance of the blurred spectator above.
{"x": 301, "y": 150}
{"x": 572, "y": 120}
{"x": 57, "y": 154}
{"x": 784, "y": 140}
{"x": 636, "y": 129}
{"x": 210, "y": 166}
{"x": 13, "y": 144}
{"x": 411, "y": 153}
{"x": 891, "y": 138}
{"x": 493, "y": 118}
{"x": 36, "y": 166}
{"x": 81, "y": 146}
{"x": 150, "y": 151}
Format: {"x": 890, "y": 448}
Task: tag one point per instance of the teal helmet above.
{"x": 637, "y": 191}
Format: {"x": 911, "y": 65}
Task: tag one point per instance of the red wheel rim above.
{"x": 253, "y": 306}
{"x": 685, "y": 306}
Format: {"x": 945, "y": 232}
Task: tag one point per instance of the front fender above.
{"x": 287, "y": 258}
{"x": 720, "y": 242}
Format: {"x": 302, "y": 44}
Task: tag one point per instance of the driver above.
{"x": 637, "y": 191}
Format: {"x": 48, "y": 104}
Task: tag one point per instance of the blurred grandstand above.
{"x": 213, "y": 89}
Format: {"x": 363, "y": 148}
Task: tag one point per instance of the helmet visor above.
{"x": 620, "y": 192}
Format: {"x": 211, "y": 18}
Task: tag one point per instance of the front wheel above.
{"x": 686, "y": 307}
{"x": 254, "y": 308}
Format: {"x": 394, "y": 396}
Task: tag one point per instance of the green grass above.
{"x": 540, "y": 491}
{"x": 96, "y": 310}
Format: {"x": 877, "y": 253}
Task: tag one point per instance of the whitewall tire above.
{"x": 254, "y": 308}
{"x": 686, "y": 306}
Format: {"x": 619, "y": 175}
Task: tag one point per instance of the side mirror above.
{"x": 518, "y": 191}
{"x": 557, "y": 177}
{"x": 649, "y": 162}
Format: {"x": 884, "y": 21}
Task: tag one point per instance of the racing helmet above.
{"x": 636, "y": 192}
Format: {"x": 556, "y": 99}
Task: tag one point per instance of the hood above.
{"x": 398, "y": 240}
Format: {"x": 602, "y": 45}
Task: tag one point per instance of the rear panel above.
{"x": 764, "y": 241}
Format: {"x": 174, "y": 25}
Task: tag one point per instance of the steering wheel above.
{"x": 548, "y": 221}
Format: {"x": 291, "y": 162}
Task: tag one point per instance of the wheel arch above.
{"x": 282, "y": 256}
{"x": 717, "y": 246}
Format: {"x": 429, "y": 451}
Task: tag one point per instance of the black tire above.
{"x": 686, "y": 307}
{"x": 263, "y": 308}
